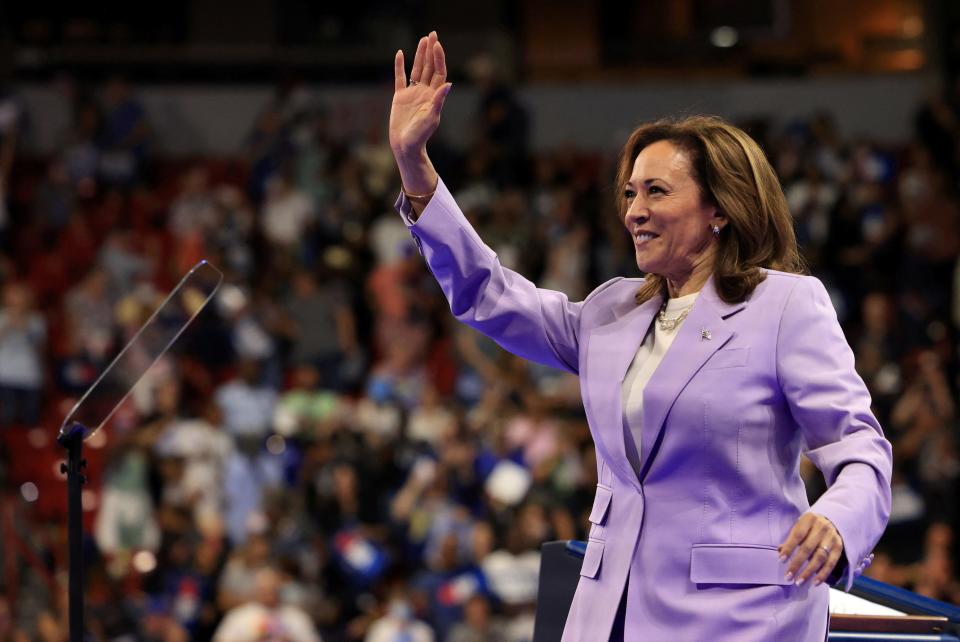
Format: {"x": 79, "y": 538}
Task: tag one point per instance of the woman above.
{"x": 700, "y": 528}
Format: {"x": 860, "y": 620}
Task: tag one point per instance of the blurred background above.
{"x": 330, "y": 456}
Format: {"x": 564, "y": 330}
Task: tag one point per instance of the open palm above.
{"x": 415, "y": 113}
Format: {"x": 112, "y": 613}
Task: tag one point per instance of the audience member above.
{"x": 266, "y": 617}
{"x": 23, "y": 333}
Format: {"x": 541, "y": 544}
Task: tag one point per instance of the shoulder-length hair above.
{"x": 734, "y": 176}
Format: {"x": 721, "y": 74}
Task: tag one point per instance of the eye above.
{"x": 629, "y": 193}
{"x": 655, "y": 189}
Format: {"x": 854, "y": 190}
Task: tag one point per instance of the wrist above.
{"x": 417, "y": 174}
{"x": 418, "y": 198}
{"x": 412, "y": 156}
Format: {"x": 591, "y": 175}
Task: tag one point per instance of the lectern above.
{"x": 922, "y": 619}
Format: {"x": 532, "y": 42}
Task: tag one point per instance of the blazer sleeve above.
{"x": 534, "y": 323}
{"x": 831, "y": 405}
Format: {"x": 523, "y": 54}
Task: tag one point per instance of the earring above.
{"x": 716, "y": 230}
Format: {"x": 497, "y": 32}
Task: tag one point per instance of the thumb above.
{"x": 440, "y": 95}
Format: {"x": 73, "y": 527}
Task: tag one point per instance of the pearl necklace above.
{"x": 669, "y": 325}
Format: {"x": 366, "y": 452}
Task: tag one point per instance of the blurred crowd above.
{"x": 328, "y": 454}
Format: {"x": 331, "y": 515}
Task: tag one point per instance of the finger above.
{"x": 797, "y": 534}
{"x": 428, "y": 59}
{"x": 439, "y": 66}
{"x": 809, "y": 556}
{"x": 439, "y": 96}
{"x": 399, "y": 74}
{"x": 816, "y": 560}
{"x": 830, "y": 550}
{"x": 836, "y": 552}
{"x": 417, "y": 69}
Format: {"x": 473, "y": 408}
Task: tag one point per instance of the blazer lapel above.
{"x": 610, "y": 350}
{"x": 703, "y": 332}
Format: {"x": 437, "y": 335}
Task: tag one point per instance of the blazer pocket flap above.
{"x": 729, "y": 358}
{"x": 592, "y": 558}
{"x": 736, "y": 564}
{"x": 601, "y": 503}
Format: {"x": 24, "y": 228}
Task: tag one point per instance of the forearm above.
{"x": 418, "y": 176}
{"x": 402, "y": 505}
{"x": 474, "y": 358}
{"x": 858, "y": 505}
{"x": 533, "y": 323}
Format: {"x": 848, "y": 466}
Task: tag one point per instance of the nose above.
{"x": 637, "y": 214}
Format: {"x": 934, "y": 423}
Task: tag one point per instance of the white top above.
{"x": 648, "y": 357}
{"x": 252, "y": 622}
{"x": 21, "y": 350}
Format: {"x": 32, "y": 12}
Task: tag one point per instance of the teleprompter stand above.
{"x": 72, "y": 440}
{"x": 108, "y": 392}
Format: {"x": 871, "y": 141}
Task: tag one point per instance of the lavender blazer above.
{"x": 743, "y": 391}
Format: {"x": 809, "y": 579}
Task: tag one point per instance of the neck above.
{"x": 688, "y": 284}
{"x": 693, "y": 279}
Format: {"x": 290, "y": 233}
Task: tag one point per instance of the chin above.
{"x": 646, "y": 265}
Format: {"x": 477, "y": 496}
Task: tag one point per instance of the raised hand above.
{"x": 415, "y": 115}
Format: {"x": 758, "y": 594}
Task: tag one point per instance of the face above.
{"x": 667, "y": 218}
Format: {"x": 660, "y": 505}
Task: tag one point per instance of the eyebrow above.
{"x": 650, "y": 181}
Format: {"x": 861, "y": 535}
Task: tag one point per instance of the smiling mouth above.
{"x": 643, "y": 237}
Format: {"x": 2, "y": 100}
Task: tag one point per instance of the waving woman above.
{"x": 703, "y": 383}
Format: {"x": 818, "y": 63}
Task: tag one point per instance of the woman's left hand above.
{"x": 813, "y": 545}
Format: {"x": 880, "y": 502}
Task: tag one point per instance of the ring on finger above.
{"x": 412, "y": 83}
{"x": 825, "y": 550}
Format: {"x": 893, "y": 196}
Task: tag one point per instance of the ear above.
{"x": 718, "y": 218}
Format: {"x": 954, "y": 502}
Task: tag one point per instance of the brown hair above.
{"x": 733, "y": 175}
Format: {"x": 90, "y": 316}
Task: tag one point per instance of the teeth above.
{"x": 644, "y": 236}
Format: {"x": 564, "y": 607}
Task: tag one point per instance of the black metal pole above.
{"x": 72, "y": 440}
